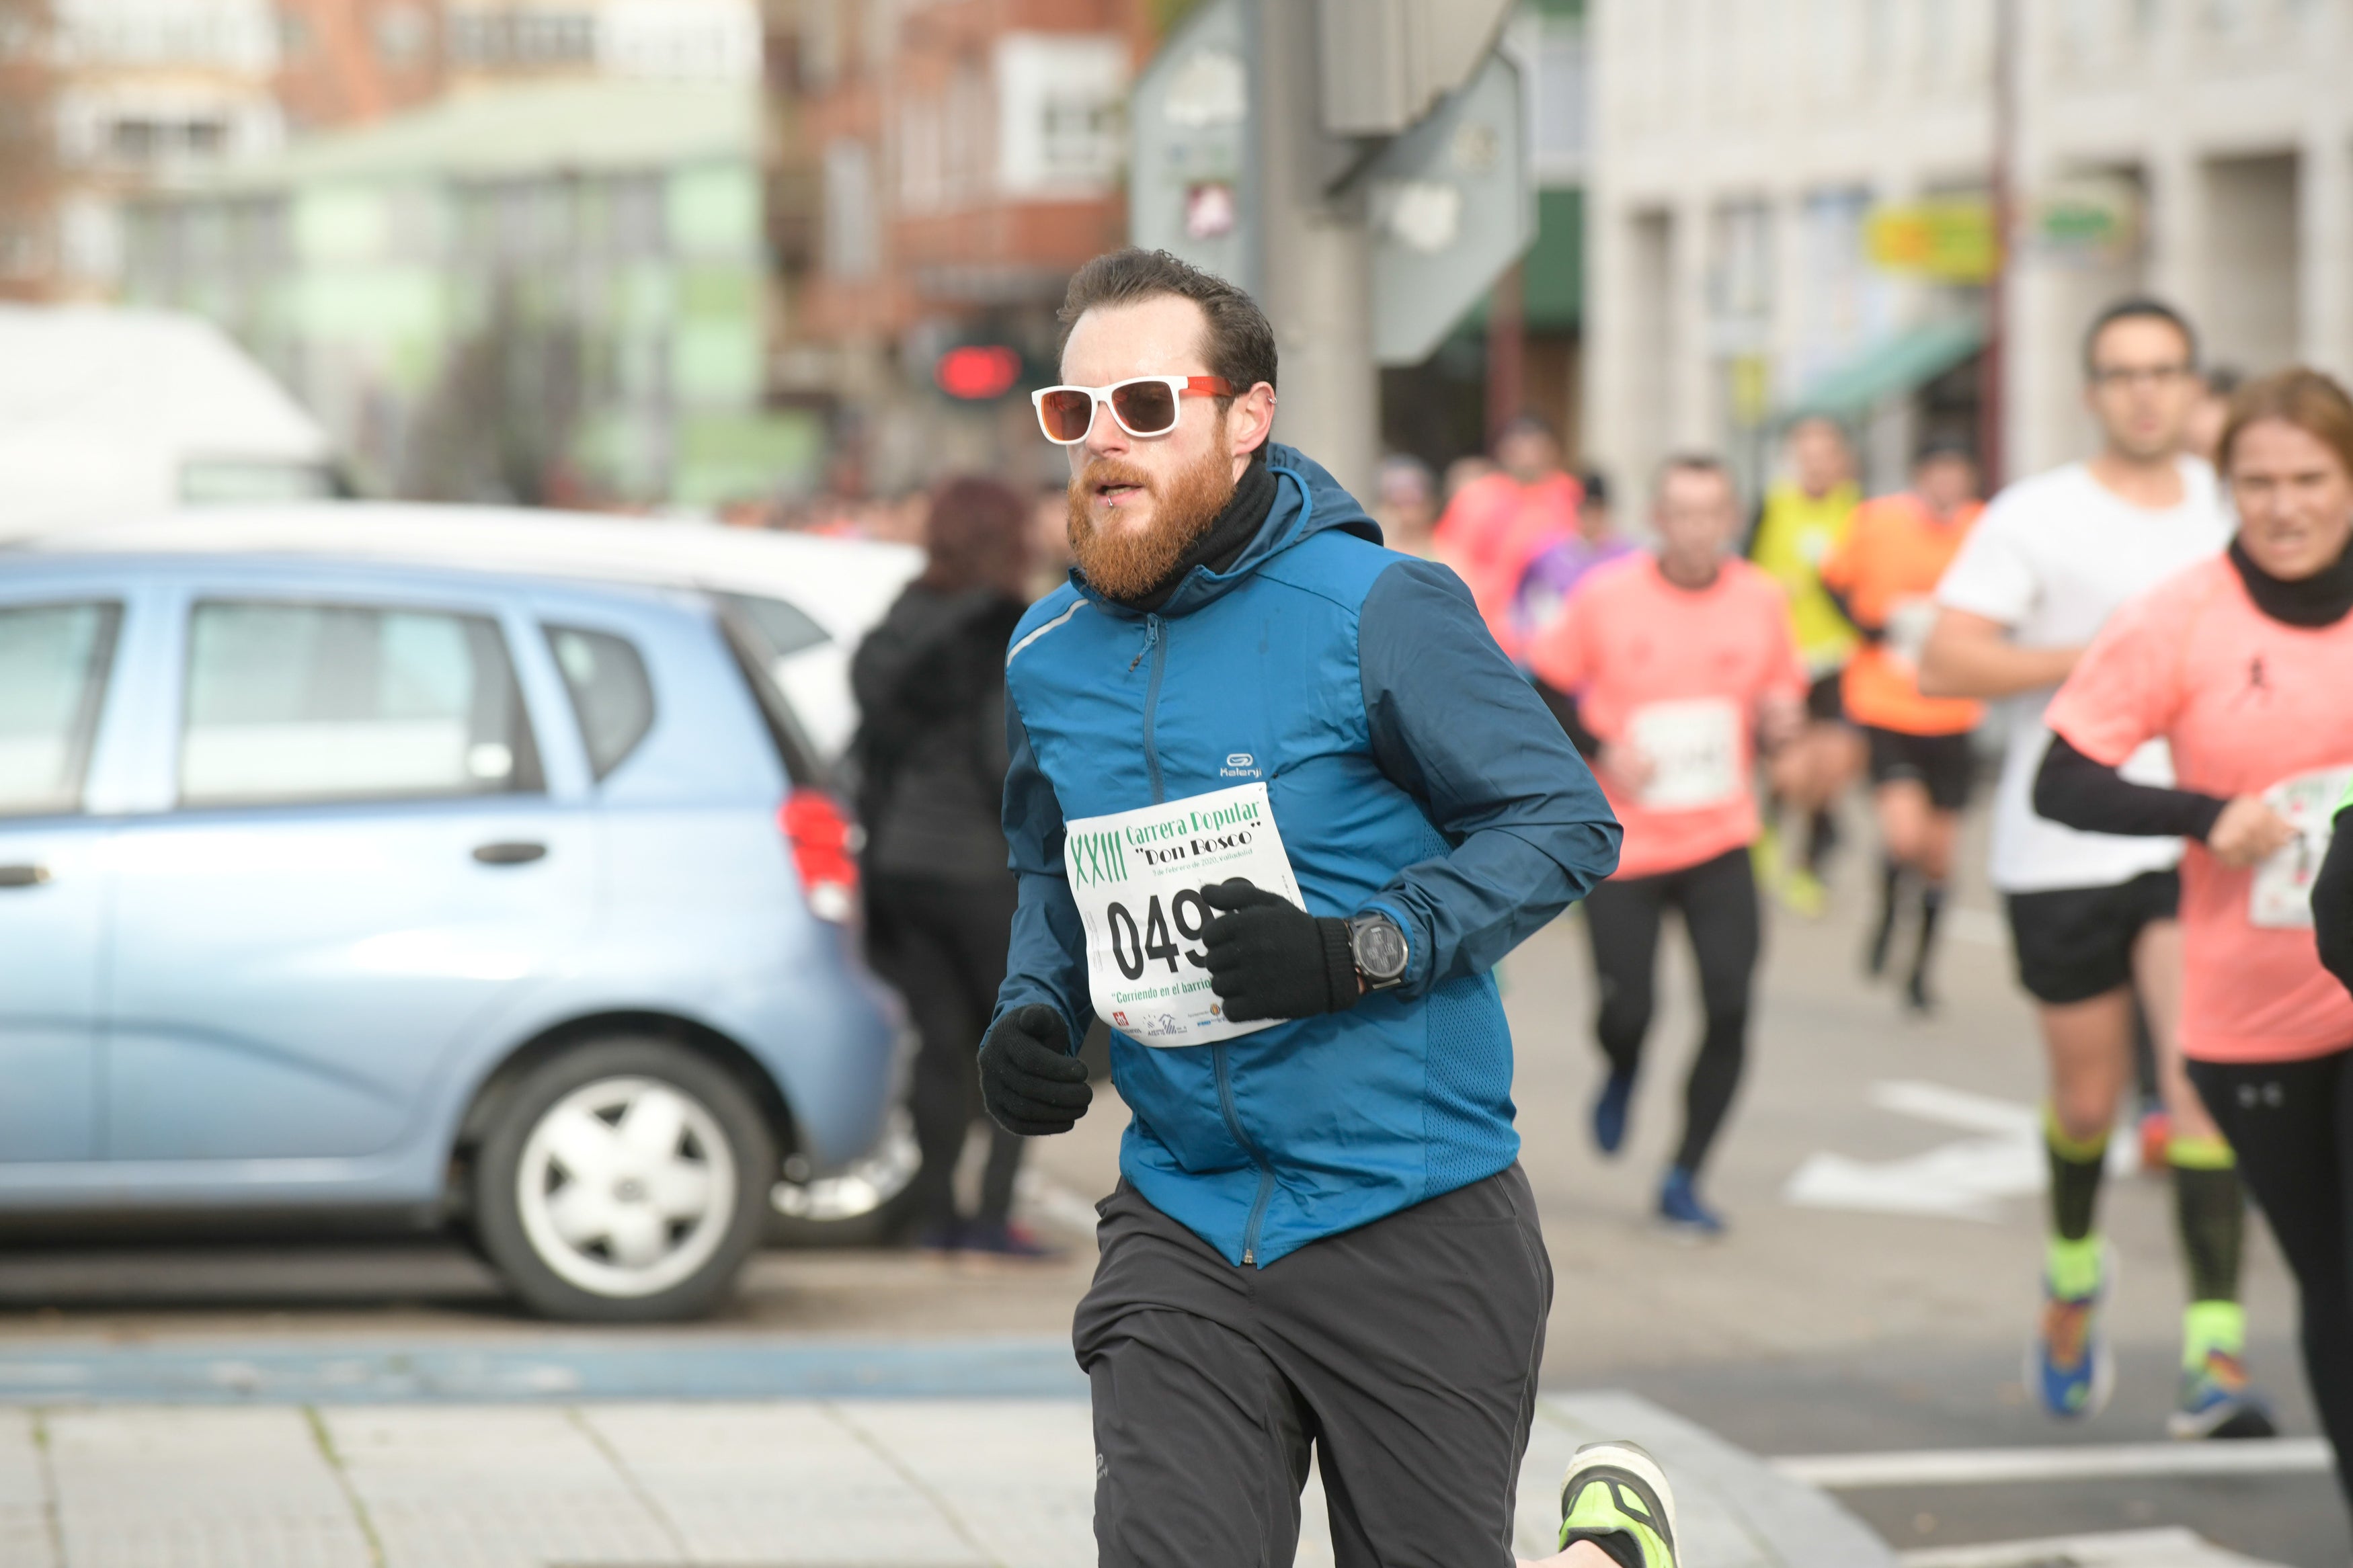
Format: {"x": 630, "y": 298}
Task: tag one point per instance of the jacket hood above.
{"x": 1307, "y": 500}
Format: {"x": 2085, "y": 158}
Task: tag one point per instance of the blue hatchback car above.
{"x": 479, "y": 899}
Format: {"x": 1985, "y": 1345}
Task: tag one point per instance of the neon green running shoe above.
{"x": 1616, "y": 1490}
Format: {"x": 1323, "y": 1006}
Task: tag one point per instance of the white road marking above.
{"x": 1967, "y": 1180}
{"x": 1982, "y": 927}
{"x": 2174, "y": 1548}
{"x": 1992, "y": 1466}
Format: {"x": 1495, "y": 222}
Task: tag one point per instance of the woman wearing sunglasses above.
{"x": 1278, "y": 803}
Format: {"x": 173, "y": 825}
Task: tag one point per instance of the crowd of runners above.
{"x": 2156, "y": 640}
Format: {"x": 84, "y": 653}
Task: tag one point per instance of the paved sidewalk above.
{"x": 876, "y": 1483}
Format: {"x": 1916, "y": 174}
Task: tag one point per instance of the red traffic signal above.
{"x": 978, "y": 372}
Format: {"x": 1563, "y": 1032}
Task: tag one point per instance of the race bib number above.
{"x": 1137, "y": 876}
{"x": 1693, "y": 749}
{"x": 2282, "y": 896}
{"x": 1909, "y": 621}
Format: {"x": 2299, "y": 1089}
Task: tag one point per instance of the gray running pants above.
{"x": 1405, "y": 1351}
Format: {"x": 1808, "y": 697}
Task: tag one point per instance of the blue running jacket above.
{"x": 1411, "y": 770}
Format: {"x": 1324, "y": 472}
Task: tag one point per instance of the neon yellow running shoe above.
{"x": 1764, "y": 856}
{"x": 1802, "y": 894}
{"x": 1618, "y": 1490}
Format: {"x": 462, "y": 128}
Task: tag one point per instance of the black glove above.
{"x": 2332, "y": 902}
{"x": 1029, "y": 1080}
{"x": 1270, "y": 959}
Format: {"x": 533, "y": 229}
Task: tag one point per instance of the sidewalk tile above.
{"x": 1019, "y": 1475}
{"x": 499, "y": 1487}
{"x": 23, "y": 1513}
{"x": 776, "y": 1484}
{"x": 223, "y": 1487}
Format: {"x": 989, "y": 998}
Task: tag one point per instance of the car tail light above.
{"x": 824, "y": 853}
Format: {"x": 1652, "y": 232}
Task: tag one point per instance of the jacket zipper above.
{"x": 1265, "y": 1170}
{"x": 1157, "y": 646}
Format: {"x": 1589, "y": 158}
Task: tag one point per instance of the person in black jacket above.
{"x": 2332, "y": 899}
{"x": 932, "y": 756}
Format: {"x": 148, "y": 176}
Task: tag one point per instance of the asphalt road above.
{"x": 1888, "y": 1312}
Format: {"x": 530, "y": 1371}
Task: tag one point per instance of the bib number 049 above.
{"x": 1133, "y": 948}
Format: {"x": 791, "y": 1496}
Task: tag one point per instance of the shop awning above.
{"x": 1892, "y": 366}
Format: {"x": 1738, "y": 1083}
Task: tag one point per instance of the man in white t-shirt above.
{"x": 2093, "y": 916}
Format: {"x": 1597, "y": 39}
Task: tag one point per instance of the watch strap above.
{"x": 1339, "y": 962}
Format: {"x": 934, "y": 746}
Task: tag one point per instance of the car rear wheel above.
{"x": 624, "y": 1181}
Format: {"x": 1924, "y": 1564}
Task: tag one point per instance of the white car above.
{"x": 812, "y": 598}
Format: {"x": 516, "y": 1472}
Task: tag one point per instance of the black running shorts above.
{"x": 2075, "y": 943}
{"x": 1947, "y": 764}
{"x": 1826, "y": 697}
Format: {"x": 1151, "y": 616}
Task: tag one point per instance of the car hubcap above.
{"x": 857, "y": 1191}
{"x": 627, "y": 1186}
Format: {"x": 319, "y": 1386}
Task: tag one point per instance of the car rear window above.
{"x": 302, "y": 703}
{"x": 610, "y": 694}
{"x": 54, "y": 660}
{"x": 777, "y": 629}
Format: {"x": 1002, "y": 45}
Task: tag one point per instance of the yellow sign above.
{"x": 1949, "y": 240}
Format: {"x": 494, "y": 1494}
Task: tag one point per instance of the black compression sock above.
{"x": 2212, "y": 1214}
{"x": 2075, "y": 1170}
{"x": 1932, "y": 908}
{"x": 1891, "y": 884}
{"x": 1821, "y": 837}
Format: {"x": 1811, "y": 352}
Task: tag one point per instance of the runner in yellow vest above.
{"x": 1801, "y": 524}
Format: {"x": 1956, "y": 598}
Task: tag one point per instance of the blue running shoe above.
{"x": 1680, "y": 1208}
{"x": 2217, "y": 1401}
{"x": 1609, "y": 1112}
{"x": 2070, "y": 1366}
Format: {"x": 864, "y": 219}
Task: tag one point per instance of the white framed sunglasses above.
{"x": 1144, "y": 406}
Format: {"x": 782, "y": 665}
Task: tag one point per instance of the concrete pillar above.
{"x": 2324, "y": 241}
{"x": 1318, "y": 267}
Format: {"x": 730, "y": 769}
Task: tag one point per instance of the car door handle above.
{"x": 510, "y": 854}
{"x": 22, "y": 875}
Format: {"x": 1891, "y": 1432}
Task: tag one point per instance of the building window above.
{"x": 525, "y": 40}
{"x": 852, "y": 234}
{"x": 139, "y": 140}
{"x": 1060, "y": 129}
{"x": 404, "y": 35}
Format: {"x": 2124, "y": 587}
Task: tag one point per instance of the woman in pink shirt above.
{"x": 1666, "y": 670}
{"x": 2244, "y": 665}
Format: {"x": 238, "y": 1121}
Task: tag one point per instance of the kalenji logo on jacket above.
{"x": 1241, "y": 765}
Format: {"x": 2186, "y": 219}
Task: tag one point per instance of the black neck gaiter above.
{"x": 1222, "y": 543}
{"x": 2322, "y": 599}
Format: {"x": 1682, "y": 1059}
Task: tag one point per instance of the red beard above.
{"x": 1129, "y": 563}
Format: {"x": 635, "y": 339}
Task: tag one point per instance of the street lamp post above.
{"x": 1993, "y": 401}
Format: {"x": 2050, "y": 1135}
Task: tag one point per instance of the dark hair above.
{"x": 978, "y": 536}
{"x": 2139, "y": 307}
{"x": 1240, "y": 342}
{"x": 1597, "y": 487}
{"x": 2311, "y": 402}
{"x": 1943, "y": 445}
{"x": 1527, "y": 422}
{"x": 1691, "y": 463}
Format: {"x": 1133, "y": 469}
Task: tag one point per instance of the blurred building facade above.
{"x": 143, "y": 94}
{"x": 1788, "y": 217}
{"x": 938, "y": 170}
{"x": 104, "y": 100}
{"x": 553, "y": 294}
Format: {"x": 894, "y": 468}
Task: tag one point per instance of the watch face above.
{"x": 1380, "y": 949}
